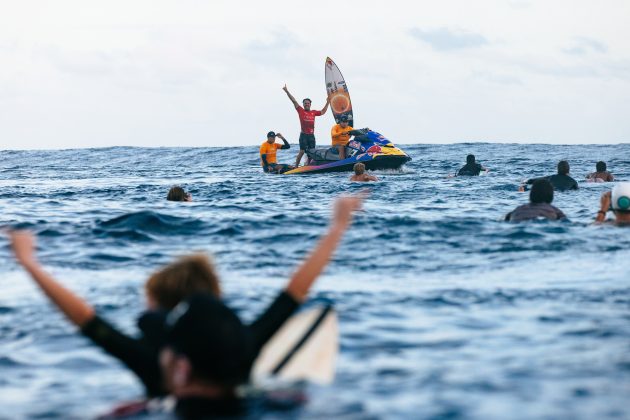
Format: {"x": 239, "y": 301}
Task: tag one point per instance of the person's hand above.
{"x": 605, "y": 201}
{"x": 285, "y": 88}
{"x": 345, "y": 206}
{"x": 279, "y": 135}
{"x": 23, "y": 244}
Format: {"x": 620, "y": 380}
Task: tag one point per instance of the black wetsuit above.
{"x": 470, "y": 170}
{"x": 533, "y": 210}
{"x": 141, "y": 355}
{"x": 559, "y": 182}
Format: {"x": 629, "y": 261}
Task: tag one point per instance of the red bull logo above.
{"x": 373, "y": 150}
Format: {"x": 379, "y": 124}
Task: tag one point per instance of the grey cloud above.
{"x": 583, "y": 45}
{"x": 444, "y": 39}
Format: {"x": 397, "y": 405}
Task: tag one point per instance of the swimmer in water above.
{"x": 471, "y": 168}
{"x": 617, "y": 201}
{"x": 560, "y": 181}
{"x": 177, "y": 193}
{"x": 216, "y": 381}
{"x": 600, "y": 174}
{"x": 360, "y": 175}
{"x": 540, "y": 198}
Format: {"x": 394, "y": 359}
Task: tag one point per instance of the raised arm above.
{"x": 73, "y": 307}
{"x": 295, "y": 103}
{"x": 286, "y": 144}
{"x": 325, "y": 108}
{"x": 311, "y": 268}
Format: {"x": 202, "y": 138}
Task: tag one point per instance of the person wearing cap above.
{"x": 540, "y": 198}
{"x": 340, "y": 134}
{"x": 307, "y": 123}
{"x": 600, "y": 174}
{"x": 268, "y": 151}
{"x": 617, "y": 201}
{"x": 180, "y": 371}
{"x": 560, "y": 181}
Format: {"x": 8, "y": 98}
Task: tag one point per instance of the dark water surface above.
{"x": 445, "y": 311}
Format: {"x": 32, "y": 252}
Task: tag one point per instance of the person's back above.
{"x": 540, "y": 197}
{"x": 600, "y": 174}
{"x": 560, "y": 181}
{"x": 471, "y": 168}
{"x": 563, "y": 182}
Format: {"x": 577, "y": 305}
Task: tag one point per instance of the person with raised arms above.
{"x": 617, "y": 201}
{"x": 307, "y": 123}
{"x": 208, "y": 385}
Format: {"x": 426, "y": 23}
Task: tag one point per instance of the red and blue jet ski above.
{"x": 368, "y": 147}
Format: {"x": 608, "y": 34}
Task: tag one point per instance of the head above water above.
{"x": 600, "y": 166}
{"x": 563, "y": 167}
{"x": 541, "y": 192}
{"x": 177, "y": 281}
{"x": 358, "y": 168}
{"x": 177, "y": 193}
{"x": 470, "y": 159}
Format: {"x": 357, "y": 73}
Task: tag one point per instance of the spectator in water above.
{"x": 177, "y": 193}
{"x": 360, "y": 175}
{"x": 540, "y": 198}
{"x": 203, "y": 386}
{"x": 561, "y": 181}
{"x": 471, "y": 168}
{"x": 617, "y": 201}
{"x": 600, "y": 174}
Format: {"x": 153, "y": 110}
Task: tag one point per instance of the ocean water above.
{"x": 445, "y": 310}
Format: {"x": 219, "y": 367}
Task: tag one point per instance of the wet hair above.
{"x": 600, "y": 166}
{"x": 306, "y": 99}
{"x": 470, "y": 159}
{"x": 179, "y": 280}
{"x": 358, "y": 168}
{"x": 563, "y": 167}
{"x": 541, "y": 192}
{"x": 177, "y": 193}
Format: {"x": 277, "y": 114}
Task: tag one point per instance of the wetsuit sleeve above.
{"x": 575, "y": 185}
{"x": 137, "y": 355}
{"x": 508, "y": 217}
{"x": 264, "y": 159}
{"x": 272, "y": 319}
{"x": 286, "y": 144}
{"x": 560, "y": 215}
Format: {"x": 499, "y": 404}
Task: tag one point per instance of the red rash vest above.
{"x": 307, "y": 119}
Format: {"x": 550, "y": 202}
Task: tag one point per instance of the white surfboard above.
{"x": 305, "y": 348}
{"x": 338, "y": 93}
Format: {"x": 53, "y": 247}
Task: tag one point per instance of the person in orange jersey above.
{"x": 340, "y": 134}
{"x": 268, "y": 154}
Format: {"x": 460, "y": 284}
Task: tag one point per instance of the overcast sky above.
{"x": 209, "y": 73}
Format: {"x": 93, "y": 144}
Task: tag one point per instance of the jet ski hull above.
{"x": 370, "y": 148}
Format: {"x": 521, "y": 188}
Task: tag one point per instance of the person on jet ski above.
{"x": 268, "y": 154}
{"x": 340, "y": 134}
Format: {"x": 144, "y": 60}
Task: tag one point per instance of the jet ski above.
{"x": 367, "y": 147}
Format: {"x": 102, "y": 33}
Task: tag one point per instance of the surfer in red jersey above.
{"x": 307, "y": 123}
